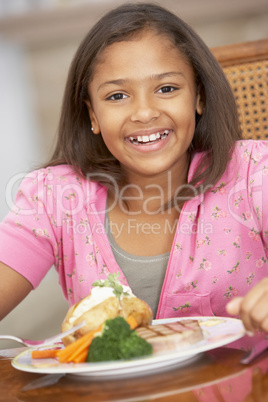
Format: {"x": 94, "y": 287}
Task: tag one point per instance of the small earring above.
{"x": 92, "y": 129}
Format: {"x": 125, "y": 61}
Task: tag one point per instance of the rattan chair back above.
{"x": 246, "y": 67}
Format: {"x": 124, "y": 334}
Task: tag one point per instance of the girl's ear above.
{"x": 199, "y": 103}
{"x": 94, "y": 121}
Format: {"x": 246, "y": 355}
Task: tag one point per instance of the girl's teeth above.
{"x": 151, "y": 137}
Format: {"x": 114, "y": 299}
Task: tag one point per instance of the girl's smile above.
{"x": 149, "y": 141}
{"x": 143, "y": 103}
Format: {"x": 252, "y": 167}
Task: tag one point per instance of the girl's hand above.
{"x": 253, "y": 308}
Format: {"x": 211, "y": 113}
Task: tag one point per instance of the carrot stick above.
{"x": 132, "y": 322}
{"x": 65, "y": 354}
{"x": 82, "y": 357}
{"x": 44, "y": 354}
{"x": 80, "y": 350}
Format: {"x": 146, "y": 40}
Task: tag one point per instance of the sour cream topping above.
{"x": 98, "y": 295}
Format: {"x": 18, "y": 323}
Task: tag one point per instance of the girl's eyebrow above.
{"x": 168, "y": 74}
{"x": 122, "y": 81}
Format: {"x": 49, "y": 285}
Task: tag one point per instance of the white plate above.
{"x": 218, "y": 331}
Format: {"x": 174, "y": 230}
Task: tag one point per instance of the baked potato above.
{"x": 111, "y": 307}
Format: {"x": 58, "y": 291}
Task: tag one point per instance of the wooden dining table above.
{"x": 216, "y": 375}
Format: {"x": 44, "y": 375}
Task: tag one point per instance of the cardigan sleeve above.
{"x": 256, "y": 157}
{"x": 28, "y": 233}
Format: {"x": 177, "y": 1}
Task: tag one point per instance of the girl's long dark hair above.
{"x": 216, "y": 130}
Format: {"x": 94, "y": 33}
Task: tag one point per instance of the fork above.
{"x": 44, "y": 342}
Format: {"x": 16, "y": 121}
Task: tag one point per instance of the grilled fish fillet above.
{"x": 172, "y": 336}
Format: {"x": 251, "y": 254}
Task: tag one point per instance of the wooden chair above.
{"x": 246, "y": 67}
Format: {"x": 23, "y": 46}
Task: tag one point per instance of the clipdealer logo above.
{"x": 133, "y": 226}
{"x": 56, "y": 197}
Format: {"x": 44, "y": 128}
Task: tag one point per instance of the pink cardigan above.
{"x": 219, "y": 250}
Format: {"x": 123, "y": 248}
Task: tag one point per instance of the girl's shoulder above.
{"x": 251, "y": 154}
{"x": 65, "y": 174}
{"x": 60, "y": 178}
{"x": 251, "y": 146}
{"x": 59, "y": 173}
{"x": 248, "y": 161}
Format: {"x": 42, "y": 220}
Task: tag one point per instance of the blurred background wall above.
{"x": 37, "y": 41}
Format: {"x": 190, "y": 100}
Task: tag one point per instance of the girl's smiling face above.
{"x": 143, "y": 100}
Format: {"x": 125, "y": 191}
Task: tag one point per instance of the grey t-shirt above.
{"x": 145, "y": 275}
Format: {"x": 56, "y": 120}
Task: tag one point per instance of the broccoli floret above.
{"x": 102, "y": 350}
{"x": 116, "y": 328}
{"x": 116, "y": 342}
{"x": 135, "y": 346}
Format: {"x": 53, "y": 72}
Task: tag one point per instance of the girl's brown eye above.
{"x": 167, "y": 89}
{"x": 116, "y": 97}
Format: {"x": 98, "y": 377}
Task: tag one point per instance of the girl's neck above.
{"x": 152, "y": 195}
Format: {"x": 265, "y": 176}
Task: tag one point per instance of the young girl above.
{"x": 150, "y": 178}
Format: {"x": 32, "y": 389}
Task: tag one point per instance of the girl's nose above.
{"x": 144, "y": 110}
